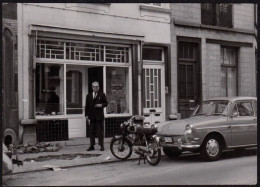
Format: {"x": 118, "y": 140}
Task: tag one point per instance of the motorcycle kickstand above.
{"x": 142, "y": 155}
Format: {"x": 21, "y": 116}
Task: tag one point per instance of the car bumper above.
{"x": 181, "y": 145}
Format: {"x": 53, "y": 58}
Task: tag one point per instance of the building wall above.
{"x": 243, "y": 14}
{"x": 187, "y": 23}
{"x": 129, "y": 19}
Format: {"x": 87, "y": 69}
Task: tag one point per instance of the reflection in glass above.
{"x": 74, "y": 92}
{"x": 49, "y": 89}
{"x": 117, "y": 90}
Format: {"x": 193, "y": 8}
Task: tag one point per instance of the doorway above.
{"x": 94, "y": 74}
{"x": 189, "y": 84}
{"x": 154, "y": 91}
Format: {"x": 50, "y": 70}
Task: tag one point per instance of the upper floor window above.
{"x": 217, "y": 14}
{"x": 154, "y": 4}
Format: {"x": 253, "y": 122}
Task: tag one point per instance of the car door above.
{"x": 243, "y": 124}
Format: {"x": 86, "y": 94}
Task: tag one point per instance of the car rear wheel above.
{"x": 171, "y": 153}
{"x": 211, "y": 149}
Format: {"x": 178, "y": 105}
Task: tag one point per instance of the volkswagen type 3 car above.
{"x": 215, "y": 125}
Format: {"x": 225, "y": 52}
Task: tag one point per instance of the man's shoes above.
{"x": 102, "y": 148}
{"x": 91, "y": 148}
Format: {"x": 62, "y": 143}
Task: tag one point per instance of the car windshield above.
{"x": 209, "y": 108}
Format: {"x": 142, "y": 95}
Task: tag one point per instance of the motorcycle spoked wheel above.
{"x": 120, "y": 151}
{"x": 154, "y": 155}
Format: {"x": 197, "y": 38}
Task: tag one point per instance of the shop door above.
{"x": 154, "y": 92}
{"x": 75, "y": 97}
{"x": 188, "y": 78}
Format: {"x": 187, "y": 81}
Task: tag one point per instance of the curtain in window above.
{"x": 228, "y": 73}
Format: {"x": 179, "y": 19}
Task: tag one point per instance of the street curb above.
{"x": 71, "y": 166}
{"x": 79, "y": 165}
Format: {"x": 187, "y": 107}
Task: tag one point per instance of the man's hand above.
{"x": 88, "y": 120}
{"x": 98, "y": 105}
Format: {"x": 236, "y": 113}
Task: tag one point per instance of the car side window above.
{"x": 245, "y": 108}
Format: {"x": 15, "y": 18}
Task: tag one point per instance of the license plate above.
{"x": 168, "y": 139}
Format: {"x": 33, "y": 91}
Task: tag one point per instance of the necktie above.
{"x": 95, "y": 95}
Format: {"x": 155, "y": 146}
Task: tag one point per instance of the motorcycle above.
{"x": 135, "y": 137}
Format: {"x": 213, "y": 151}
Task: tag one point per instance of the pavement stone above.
{"x": 73, "y": 146}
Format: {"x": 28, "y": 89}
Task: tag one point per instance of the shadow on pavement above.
{"x": 195, "y": 157}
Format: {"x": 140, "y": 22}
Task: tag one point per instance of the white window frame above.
{"x": 66, "y": 62}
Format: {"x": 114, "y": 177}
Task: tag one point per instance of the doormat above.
{"x": 60, "y": 157}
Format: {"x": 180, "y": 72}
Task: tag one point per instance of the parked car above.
{"x": 216, "y": 124}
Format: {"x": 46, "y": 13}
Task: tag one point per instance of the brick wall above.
{"x": 246, "y": 72}
{"x": 186, "y": 12}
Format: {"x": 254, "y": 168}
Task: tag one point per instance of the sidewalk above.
{"x": 72, "y": 146}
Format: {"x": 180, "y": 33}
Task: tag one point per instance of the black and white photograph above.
{"x": 108, "y": 94}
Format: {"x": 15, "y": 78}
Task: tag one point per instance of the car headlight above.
{"x": 188, "y": 129}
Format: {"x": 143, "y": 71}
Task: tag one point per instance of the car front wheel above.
{"x": 211, "y": 148}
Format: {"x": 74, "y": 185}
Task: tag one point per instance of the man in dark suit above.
{"x": 95, "y": 102}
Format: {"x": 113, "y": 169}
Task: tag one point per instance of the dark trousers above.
{"x": 96, "y": 127}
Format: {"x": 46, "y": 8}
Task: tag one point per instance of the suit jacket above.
{"x": 93, "y": 112}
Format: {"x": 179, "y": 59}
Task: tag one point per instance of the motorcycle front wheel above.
{"x": 119, "y": 150}
{"x": 154, "y": 153}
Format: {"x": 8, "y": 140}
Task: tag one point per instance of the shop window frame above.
{"x": 104, "y": 64}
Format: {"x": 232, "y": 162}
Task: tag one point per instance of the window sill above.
{"x": 154, "y": 9}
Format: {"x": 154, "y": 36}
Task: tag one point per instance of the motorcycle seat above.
{"x": 146, "y": 130}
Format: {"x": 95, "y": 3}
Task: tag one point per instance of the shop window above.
{"x": 74, "y": 92}
{"x": 117, "y": 90}
{"x": 228, "y": 71}
{"x": 152, "y": 54}
{"x": 217, "y": 14}
{"x": 49, "y": 89}
{"x": 82, "y": 51}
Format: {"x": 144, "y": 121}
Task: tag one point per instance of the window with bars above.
{"x": 228, "y": 72}
{"x": 82, "y": 51}
{"x": 217, "y": 14}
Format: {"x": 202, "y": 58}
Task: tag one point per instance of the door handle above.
{"x": 255, "y": 119}
{"x": 229, "y": 127}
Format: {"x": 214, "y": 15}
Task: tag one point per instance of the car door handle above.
{"x": 229, "y": 127}
{"x": 255, "y": 119}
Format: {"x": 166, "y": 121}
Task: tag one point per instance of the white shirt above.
{"x": 94, "y": 94}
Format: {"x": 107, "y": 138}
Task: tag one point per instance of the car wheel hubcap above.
{"x": 212, "y": 147}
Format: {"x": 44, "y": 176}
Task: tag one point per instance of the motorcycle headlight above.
{"x": 188, "y": 129}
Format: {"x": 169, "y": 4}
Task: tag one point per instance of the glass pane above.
{"x": 245, "y": 109}
{"x": 49, "y": 89}
{"x": 208, "y": 13}
{"x": 74, "y": 92}
{"x": 117, "y": 90}
{"x": 152, "y": 54}
{"x": 231, "y": 82}
{"x": 223, "y": 89}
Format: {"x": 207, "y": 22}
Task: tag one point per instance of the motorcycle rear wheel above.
{"x": 120, "y": 151}
{"x": 154, "y": 155}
